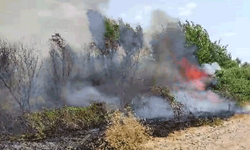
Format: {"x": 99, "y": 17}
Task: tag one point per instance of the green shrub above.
{"x": 112, "y": 30}
{"x": 112, "y": 34}
{"x": 235, "y": 83}
{"x": 50, "y": 122}
{"x": 207, "y": 51}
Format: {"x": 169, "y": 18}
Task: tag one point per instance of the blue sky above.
{"x": 227, "y": 20}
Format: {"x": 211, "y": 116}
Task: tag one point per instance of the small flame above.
{"x": 193, "y": 74}
{"x": 191, "y": 71}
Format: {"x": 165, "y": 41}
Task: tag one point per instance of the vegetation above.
{"x": 233, "y": 79}
{"x": 49, "y": 122}
{"x": 112, "y": 34}
{"x": 235, "y": 82}
{"x": 207, "y": 51}
{"x": 126, "y": 132}
{"x": 112, "y": 30}
{"x": 117, "y": 130}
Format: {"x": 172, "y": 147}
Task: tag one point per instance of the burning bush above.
{"x": 233, "y": 82}
{"x": 172, "y": 69}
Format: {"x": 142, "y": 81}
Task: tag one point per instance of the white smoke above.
{"x": 114, "y": 80}
{"x": 152, "y": 107}
{"x": 38, "y": 20}
{"x": 88, "y": 95}
{"x": 210, "y": 69}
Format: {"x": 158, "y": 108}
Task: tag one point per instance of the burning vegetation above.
{"x": 117, "y": 92}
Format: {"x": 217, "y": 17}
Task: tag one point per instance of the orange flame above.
{"x": 192, "y": 74}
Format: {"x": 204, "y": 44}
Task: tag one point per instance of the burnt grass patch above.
{"x": 162, "y": 127}
{"x": 85, "y": 127}
{"x": 67, "y": 127}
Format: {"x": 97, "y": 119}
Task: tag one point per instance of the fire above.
{"x": 190, "y": 75}
{"x": 191, "y": 71}
{"x": 193, "y": 74}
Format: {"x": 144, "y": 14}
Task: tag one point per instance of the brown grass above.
{"x": 126, "y": 133}
{"x": 210, "y": 122}
{"x": 53, "y": 122}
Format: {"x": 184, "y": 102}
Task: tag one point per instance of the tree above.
{"x": 246, "y": 64}
{"x": 61, "y": 63}
{"x": 207, "y": 51}
{"x": 233, "y": 81}
{"x": 238, "y": 60}
{"x": 19, "y": 68}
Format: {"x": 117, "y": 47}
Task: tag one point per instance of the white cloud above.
{"x": 185, "y": 13}
{"x": 138, "y": 17}
{"x": 187, "y": 10}
{"x": 191, "y": 5}
{"x": 228, "y": 34}
{"x": 243, "y": 50}
{"x": 137, "y": 13}
{"x": 147, "y": 8}
{"x": 123, "y": 15}
{"x": 170, "y": 8}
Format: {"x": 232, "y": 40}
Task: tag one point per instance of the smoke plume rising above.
{"x": 117, "y": 78}
{"x": 38, "y": 20}
{"x": 173, "y": 65}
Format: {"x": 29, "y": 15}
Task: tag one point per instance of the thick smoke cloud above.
{"x": 118, "y": 78}
{"x": 37, "y": 20}
{"x": 126, "y": 84}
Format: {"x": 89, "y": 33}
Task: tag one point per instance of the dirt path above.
{"x": 232, "y": 135}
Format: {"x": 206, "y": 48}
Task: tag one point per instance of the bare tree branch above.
{"x": 19, "y": 67}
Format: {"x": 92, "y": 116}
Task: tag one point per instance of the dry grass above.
{"x": 210, "y": 122}
{"x": 88, "y": 127}
{"x": 52, "y": 122}
{"x": 126, "y": 132}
